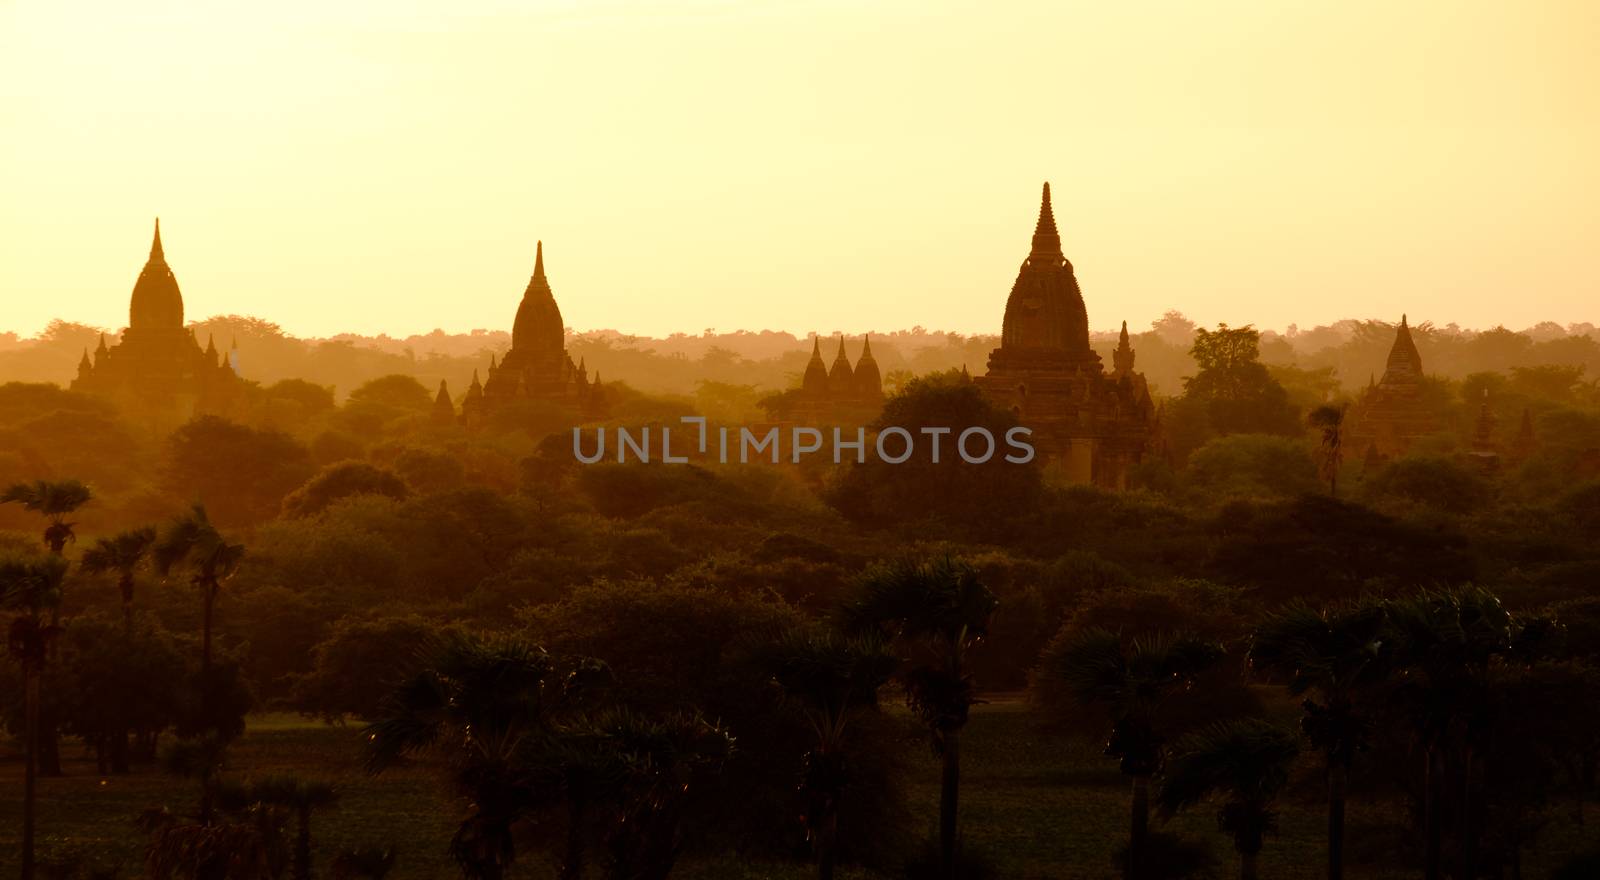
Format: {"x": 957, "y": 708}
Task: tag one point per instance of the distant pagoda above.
{"x": 841, "y": 394}
{"x": 157, "y": 371}
{"x": 1393, "y": 412}
{"x": 1094, "y": 425}
{"x": 537, "y": 368}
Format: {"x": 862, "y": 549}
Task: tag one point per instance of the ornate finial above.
{"x": 816, "y": 346}
{"x": 83, "y": 365}
{"x": 492, "y": 365}
{"x": 155, "y": 246}
{"x": 1046, "y": 240}
{"x": 582, "y": 364}
{"x": 841, "y": 345}
{"x": 211, "y": 345}
{"x": 1124, "y": 338}
{"x": 102, "y": 348}
{"x": 866, "y": 346}
{"x": 538, "y": 262}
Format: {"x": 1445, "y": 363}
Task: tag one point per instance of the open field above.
{"x": 1037, "y": 807}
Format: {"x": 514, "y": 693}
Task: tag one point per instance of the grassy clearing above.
{"x": 1037, "y": 807}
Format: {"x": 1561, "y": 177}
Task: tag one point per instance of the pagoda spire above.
{"x": 866, "y": 345}
{"x": 156, "y": 253}
{"x": 1046, "y": 240}
{"x": 538, "y": 263}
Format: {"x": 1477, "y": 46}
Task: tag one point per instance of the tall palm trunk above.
{"x": 949, "y": 801}
{"x": 125, "y": 582}
{"x": 1433, "y": 814}
{"x": 208, "y": 603}
{"x": 1469, "y": 837}
{"x": 1247, "y": 866}
{"x": 572, "y": 863}
{"x": 827, "y": 845}
{"x": 1138, "y": 823}
{"x": 302, "y": 843}
{"x": 1338, "y": 782}
{"x": 30, "y": 749}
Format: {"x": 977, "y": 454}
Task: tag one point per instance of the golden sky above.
{"x": 387, "y": 165}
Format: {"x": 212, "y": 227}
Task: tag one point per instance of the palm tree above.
{"x": 1245, "y": 764}
{"x": 479, "y": 705}
{"x": 192, "y": 540}
{"x": 1132, "y": 679}
{"x": 1333, "y": 654}
{"x": 29, "y": 585}
{"x": 122, "y": 553}
{"x": 1445, "y": 646}
{"x": 660, "y": 758}
{"x": 830, "y": 677}
{"x": 1329, "y": 419}
{"x": 938, "y": 610}
{"x": 55, "y": 500}
{"x": 200, "y": 759}
{"x": 301, "y": 797}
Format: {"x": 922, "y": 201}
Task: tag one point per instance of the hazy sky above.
{"x": 387, "y": 166}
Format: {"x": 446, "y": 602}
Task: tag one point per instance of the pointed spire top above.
{"x": 841, "y": 345}
{"x": 84, "y": 363}
{"x": 155, "y": 246}
{"x": 211, "y": 343}
{"x": 1046, "y": 240}
{"x": 866, "y": 346}
{"x": 582, "y": 364}
{"x": 492, "y": 364}
{"x": 538, "y": 262}
{"x": 1124, "y": 338}
{"x": 102, "y": 348}
{"x": 816, "y": 346}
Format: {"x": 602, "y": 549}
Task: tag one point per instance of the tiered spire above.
{"x": 1046, "y": 240}
{"x": 840, "y": 374}
{"x": 1405, "y": 363}
{"x": 1122, "y": 358}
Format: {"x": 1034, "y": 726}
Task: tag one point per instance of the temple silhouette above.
{"x": 1393, "y": 412}
{"x": 1093, "y": 425}
{"x": 841, "y": 394}
{"x": 157, "y": 371}
{"x": 537, "y": 369}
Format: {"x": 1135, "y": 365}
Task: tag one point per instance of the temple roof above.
{"x": 156, "y": 302}
{"x": 816, "y": 375}
{"x": 1045, "y": 310}
{"x": 538, "y": 326}
{"x": 1405, "y": 364}
{"x": 840, "y": 373}
{"x": 868, "y": 379}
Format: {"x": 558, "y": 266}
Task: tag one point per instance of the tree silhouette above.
{"x": 192, "y": 541}
{"x": 300, "y": 797}
{"x": 476, "y": 707}
{"x": 55, "y": 500}
{"x": 1132, "y": 679}
{"x": 831, "y": 678}
{"x": 1329, "y": 420}
{"x": 30, "y": 586}
{"x": 1244, "y": 763}
{"x": 939, "y": 611}
{"x": 122, "y": 553}
{"x": 1334, "y": 654}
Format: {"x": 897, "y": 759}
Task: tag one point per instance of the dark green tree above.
{"x": 30, "y": 588}
{"x": 1335, "y": 655}
{"x": 193, "y": 543}
{"x": 122, "y": 553}
{"x": 55, "y": 500}
{"x": 831, "y": 678}
{"x": 937, "y": 611}
{"x": 1245, "y": 764}
{"x": 1133, "y": 679}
